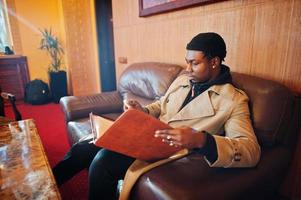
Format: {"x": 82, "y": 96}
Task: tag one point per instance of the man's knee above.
{"x": 103, "y": 157}
{"x": 112, "y": 162}
{"x": 82, "y": 151}
{"x": 80, "y": 147}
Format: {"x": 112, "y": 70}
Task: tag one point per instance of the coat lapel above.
{"x": 179, "y": 95}
{"x": 195, "y": 109}
{"x": 180, "y": 98}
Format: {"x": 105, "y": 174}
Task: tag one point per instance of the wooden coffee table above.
{"x": 24, "y": 169}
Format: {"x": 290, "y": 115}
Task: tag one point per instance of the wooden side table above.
{"x": 4, "y": 121}
{"x": 24, "y": 169}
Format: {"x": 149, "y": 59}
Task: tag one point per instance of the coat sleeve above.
{"x": 239, "y": 147}
{"x": 154, "y": 109}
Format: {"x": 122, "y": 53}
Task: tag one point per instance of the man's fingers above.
{"x": 167, "y": 131}
{"x": 126, "y": 103}
{"x": 167, "y": 137}
{"x": 161, "y": 133}
{"x": 172, "y": 142}
{"x": 130, "y": 104}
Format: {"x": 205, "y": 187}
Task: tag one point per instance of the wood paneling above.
{"x": 83, "y": 68}
{"x": 292, "y": 75}
{"x": 262, "y": 36}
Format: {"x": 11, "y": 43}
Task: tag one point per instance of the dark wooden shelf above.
{"x": 14, "y": 75}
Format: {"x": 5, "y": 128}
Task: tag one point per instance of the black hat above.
{"x": 211, "y": 44}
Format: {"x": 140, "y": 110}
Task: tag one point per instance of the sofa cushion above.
{"x": 191, "y": 178}
{"x": 81, "y": 128}
{"x": 78, "y": 129}
{"x": 78, "y": 107}
{"x": 271, "y": 107}
{"x": 148, "y": 80}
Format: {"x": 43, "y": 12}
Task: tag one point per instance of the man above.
{"x": 209, "y": 116}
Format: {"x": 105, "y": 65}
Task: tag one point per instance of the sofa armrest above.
{"x": 76, "y": 107}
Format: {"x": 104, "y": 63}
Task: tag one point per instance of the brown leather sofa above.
{"x": 275, "y": 113}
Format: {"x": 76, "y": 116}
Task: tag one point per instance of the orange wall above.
{"x": 33, "y": 15}
{"x": 74, "y": 24}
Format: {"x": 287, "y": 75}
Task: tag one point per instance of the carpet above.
{"x": 51, "y": 126}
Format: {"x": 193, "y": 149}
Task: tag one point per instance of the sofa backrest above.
{"x": 147, "y": 81}
{"x": 271, "y": 106}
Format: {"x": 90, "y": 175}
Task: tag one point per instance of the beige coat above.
{"x": 221, "y": 110}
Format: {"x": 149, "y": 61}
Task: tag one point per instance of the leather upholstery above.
{"x": 144, "y": 82}
{"x": 191, "y": 178}
{"x": 275, "y": 113}
{"x": 147, "y": 81}
{"x": 77, "y": 107}
{"x": 271, "y": 104}
{"x": 80, "y": 128}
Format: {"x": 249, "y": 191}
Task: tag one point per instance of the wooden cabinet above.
{"x": 14, "y": 75}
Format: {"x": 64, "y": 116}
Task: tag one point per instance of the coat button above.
{"x": 237, "y": 156}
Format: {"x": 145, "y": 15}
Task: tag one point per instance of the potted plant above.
{"x": 57, "y": 76}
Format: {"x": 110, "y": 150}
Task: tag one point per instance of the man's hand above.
{"x": 129, "y": 103}
{"x": 184, "y": 136}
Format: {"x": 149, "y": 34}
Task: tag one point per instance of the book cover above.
{"x": 132, "y": 134}
{"x": 99, "y": 125}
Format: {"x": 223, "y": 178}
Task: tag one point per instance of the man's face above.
{"x": 198, "y": 66}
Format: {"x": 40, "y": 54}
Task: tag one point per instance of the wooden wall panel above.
{"x": 83, "y": 68}
{"x": 292, "y": 75}
{"x": 262, "y": 36}
{"x": 271, "y": 39}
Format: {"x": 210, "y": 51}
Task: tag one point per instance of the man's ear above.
{"x": 216, "y": 61}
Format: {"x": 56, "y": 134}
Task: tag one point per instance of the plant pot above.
{"x": 58, "y": 85}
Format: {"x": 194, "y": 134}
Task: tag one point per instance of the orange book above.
{"x": 132, "y": 134}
